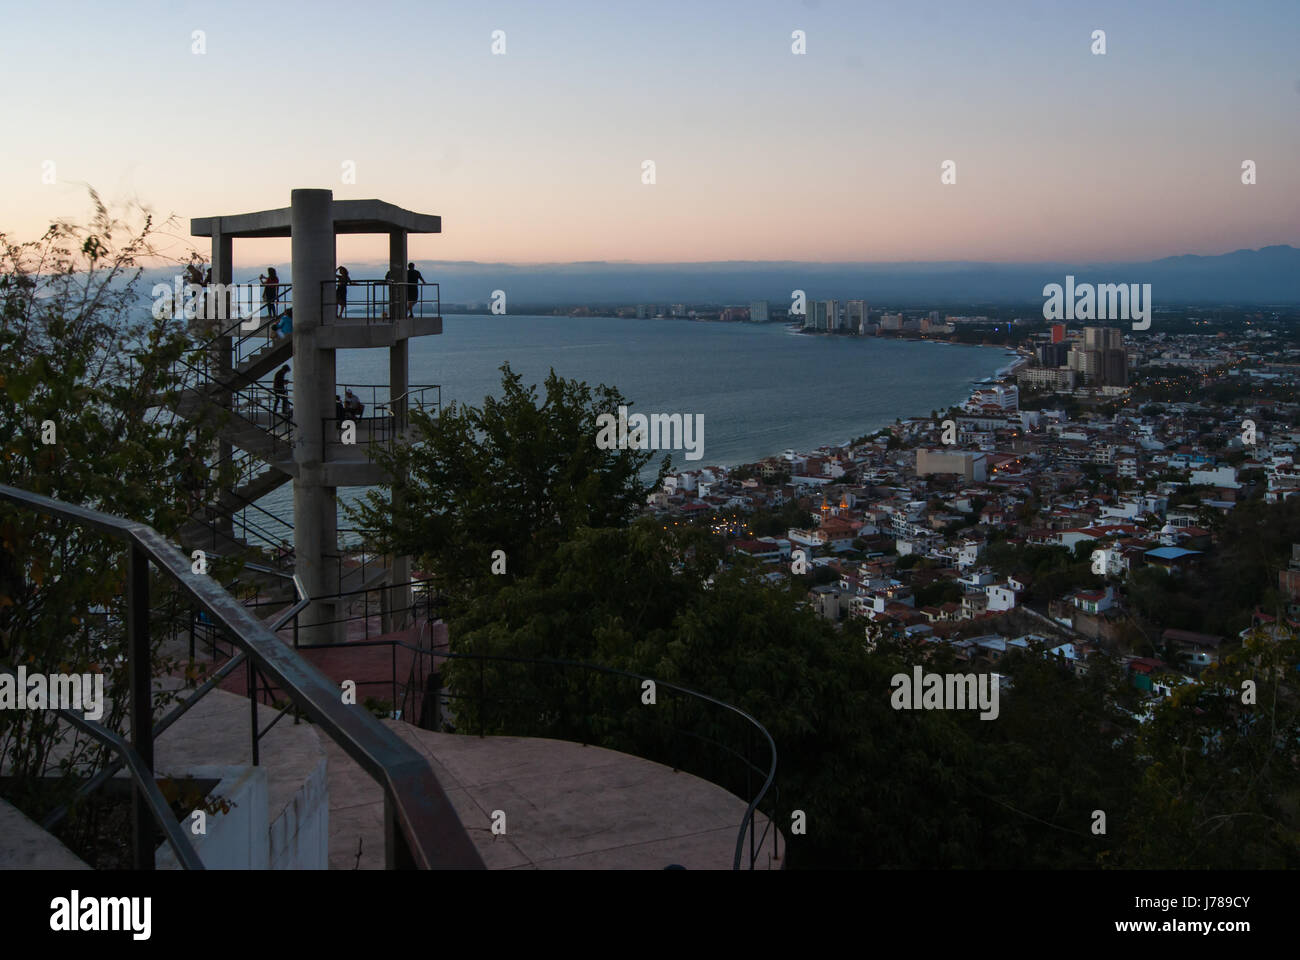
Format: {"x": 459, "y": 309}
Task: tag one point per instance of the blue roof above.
{"x": 1171, "y": 553}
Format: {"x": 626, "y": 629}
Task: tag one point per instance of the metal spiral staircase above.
{"x": 254, "y": 453}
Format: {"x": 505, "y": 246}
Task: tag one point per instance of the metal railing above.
{"x": 422, "y": 828}
{"x": 248, "y": 316}
{"x": 379, "y": 301}
{"x": 253, "y": 589}
{"x": 363, "y": 598}
{"x": 147, "y": 802}
{"x": 246, "y": 404}
{"x": 272, "y": 537}
{"x": 367, "y": 563}
{"x": 239, "y": 468}
{"x": 384, "y": 419}
{"x": 422, "y": 397}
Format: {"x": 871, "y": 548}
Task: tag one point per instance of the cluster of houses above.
{"x": 896, "y": 527}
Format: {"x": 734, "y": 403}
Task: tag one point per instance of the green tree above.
{"x": 513, "y": 475}
{"x": 1221, "y": 757}
{"x": 82, "y": 371}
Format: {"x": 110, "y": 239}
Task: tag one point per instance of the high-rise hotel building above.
{"x": 1101, "y": 358}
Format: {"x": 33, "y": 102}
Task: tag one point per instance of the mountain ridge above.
{"x": 1268, "y": 275}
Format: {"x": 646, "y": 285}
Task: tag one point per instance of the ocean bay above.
{"x": 760, "y": 388}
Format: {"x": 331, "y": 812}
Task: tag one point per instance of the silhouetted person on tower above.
{"x": 270, "y": 292}
{"x": 413, "y": 281}
{"x": 341, "y": 292}
{"x": 281, "y": 389}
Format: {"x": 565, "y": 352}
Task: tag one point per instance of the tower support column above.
{"x": 219, "y": 314}
{"x": 396, "y": 608}
{"x": 315, "y": 511}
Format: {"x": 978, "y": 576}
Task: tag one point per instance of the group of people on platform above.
{"x": 270, "y": 282}
{"x": 349, "y": 408}
{"x": 393, "y": 278}
{"x": 281, "y": 325}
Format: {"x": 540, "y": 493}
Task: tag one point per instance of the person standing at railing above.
{"x": 270, "y": 291}
{"x": 341, "y": 292}
{"x": 413, "y": 281}
{"x": 280, "y": 386}
{"x": 391, "y": 279}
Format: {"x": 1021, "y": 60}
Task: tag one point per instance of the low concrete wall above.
{"x": 235, "y": 840}
{"x": 244, "y": 838}
{"x": 300, "y": 835}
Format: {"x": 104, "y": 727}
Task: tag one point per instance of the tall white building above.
{"x": 758, "y": 311}
{"x": 855, "y": 316}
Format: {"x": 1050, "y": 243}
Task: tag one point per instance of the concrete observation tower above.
{"x": 268, "y": 445}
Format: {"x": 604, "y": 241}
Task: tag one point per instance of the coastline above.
{"x": 762, "y": 392}
{"x": 998, "y": 376}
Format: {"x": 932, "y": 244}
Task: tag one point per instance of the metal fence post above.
{"x": 586, "y": 707}
{"x": 252, "y": 705}
{"x": 397, "y": 851}
{"x": 749, "y": 790}
{"x": 137, "y": 627}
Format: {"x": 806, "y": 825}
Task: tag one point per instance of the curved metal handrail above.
{"x": 424, "y": 830}
{"x": 144, "y": 781}
{"x": 747, "y": 821}
{"x": 251, "y": 401}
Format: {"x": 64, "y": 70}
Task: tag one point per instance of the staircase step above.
{"x": 255, "y": 489}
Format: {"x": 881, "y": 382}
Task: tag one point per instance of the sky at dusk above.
{"x": 760, "y": 154}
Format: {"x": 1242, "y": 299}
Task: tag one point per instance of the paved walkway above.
{"x": 566, "y": 806}
{"x": 25, "y": 846}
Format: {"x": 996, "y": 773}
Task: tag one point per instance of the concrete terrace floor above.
{"x": 567, "y": 807}
{"x": 25, "y": 846}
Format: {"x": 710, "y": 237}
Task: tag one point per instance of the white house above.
{"x": 1224, "y": 476}
{"x": 968, "y": 553}
{"x": 1108, "y": 561}
{"x": 1001, "y": 597}
{"x": 1095, "y": 601}
{"x": 978, "y": 579}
